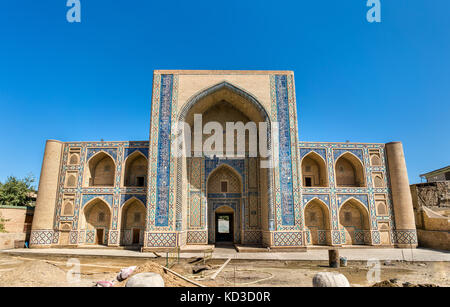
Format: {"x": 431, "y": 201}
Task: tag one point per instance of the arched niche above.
{"x": 101, "y": 171}
{"x": 132, "y": 222}
{"x": 349, "y": 171}
{"x": 135, "y": 170}
{"x": 314, "y": 171}
{"x": 354, "y": 221}
{"x": 224, "y": 202}
{"x": 317, "y": 221}
{"x": 96, "y": 221}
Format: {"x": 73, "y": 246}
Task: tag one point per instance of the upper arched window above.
{"x": 101, "y": 171}
{"x": 314, "y": 171}
{"x": 349, "y": 171}
{"x": 136, "y": 170}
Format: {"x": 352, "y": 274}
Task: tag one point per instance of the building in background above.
{"x": 441, "y": 174}
{"x": 137, "y": 193}
{"x": 431, "y": 203}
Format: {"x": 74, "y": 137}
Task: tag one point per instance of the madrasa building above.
{"x": 303, "y": 194}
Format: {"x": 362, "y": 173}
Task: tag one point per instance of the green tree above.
{"x": 17, "y": 192}
{"x": 2, "y": 224}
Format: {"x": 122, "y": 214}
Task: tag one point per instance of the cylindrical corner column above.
{"x": 42, "y": 227}
{"x": 405, "y": 225}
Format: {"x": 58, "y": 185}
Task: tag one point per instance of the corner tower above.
{"x": 405, "y": 233}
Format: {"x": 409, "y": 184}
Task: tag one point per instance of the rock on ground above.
{"x": 329, "y": 279}
{"x": 146, "y": 280}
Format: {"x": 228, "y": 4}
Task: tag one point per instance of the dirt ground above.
{"x": 52, "y": 271}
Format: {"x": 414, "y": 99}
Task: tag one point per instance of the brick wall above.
{"x": 17, "y": 226}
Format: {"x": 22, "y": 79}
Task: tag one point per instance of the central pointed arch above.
{"x": 200, "y": 99}
{"x": 249, "y": 106}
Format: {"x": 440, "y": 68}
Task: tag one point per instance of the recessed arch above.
{"x": 132, "y": 222}
{"x": 349, "y": 171}
{"x": 224, "y": 172}
{"x": 234, "y": 99}
{"x": 375, "y": 160}
{"x": 135, "y": 170}
{"x": 96, "y": 221}
{"x": 314, "y": 170}
{"x": 378, "y": 181}
{"x": 317, "y": 221}
{"x": 74, "y": 159}
{"x": 219, "y": 202}
{"x": 236, "y": 96}
{"x": 101, "y": 170}
{"x": 68, "y": 208}
{"x": 354, "y": 222}
{"x": 71, "y": 181}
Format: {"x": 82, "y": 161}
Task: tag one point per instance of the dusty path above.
{"x": 43, "y": 271}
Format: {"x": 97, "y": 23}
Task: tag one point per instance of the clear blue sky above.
{"x": 355, "y": 81}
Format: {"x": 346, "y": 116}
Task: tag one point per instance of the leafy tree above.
{"x": 2, "y": 225}
{"x": 17, "y": 192}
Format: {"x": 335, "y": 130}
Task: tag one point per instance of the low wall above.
{"x": 17, "y": 224}
{"x": 434, "y": 239}
{"x": 12, "y": 240}
{"x": 18, "y": 219}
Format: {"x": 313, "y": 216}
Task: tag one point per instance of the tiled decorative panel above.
{"x": 197, "y": 237}
{"x": 252, "y": 237}
{"x": 285, "y": 153}
{"x": 155, "y": 239}
{"x": 163, "y": 179}
{"x": 41, "y": 237}
{"x": 406, "y": 236}
{"x": 287, "y": 239}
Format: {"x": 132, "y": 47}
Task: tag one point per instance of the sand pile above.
{"x": 170, "y": 280}
{"x": 34, "y": 274}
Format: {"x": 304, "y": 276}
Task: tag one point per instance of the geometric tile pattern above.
{"x": 322, "y": 234}
{"x": 162, "y": 239}
{"x": 41, "y": 237}
{"x": 252, "y": 237}
{"x": 90, "y": 236}
{"x": 287, "y": 238}
{"x": 406, "y": 236}
{"x": 197, "y": 237}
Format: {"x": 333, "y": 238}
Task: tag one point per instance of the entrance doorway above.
{"x": 136, "y": 235}
{"x": 224, "y": 227}
{"x": 100, "y": 235}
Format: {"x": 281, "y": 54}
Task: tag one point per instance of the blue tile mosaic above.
{"x": 163, "y": 180}
{"x": 285, "y": 155}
